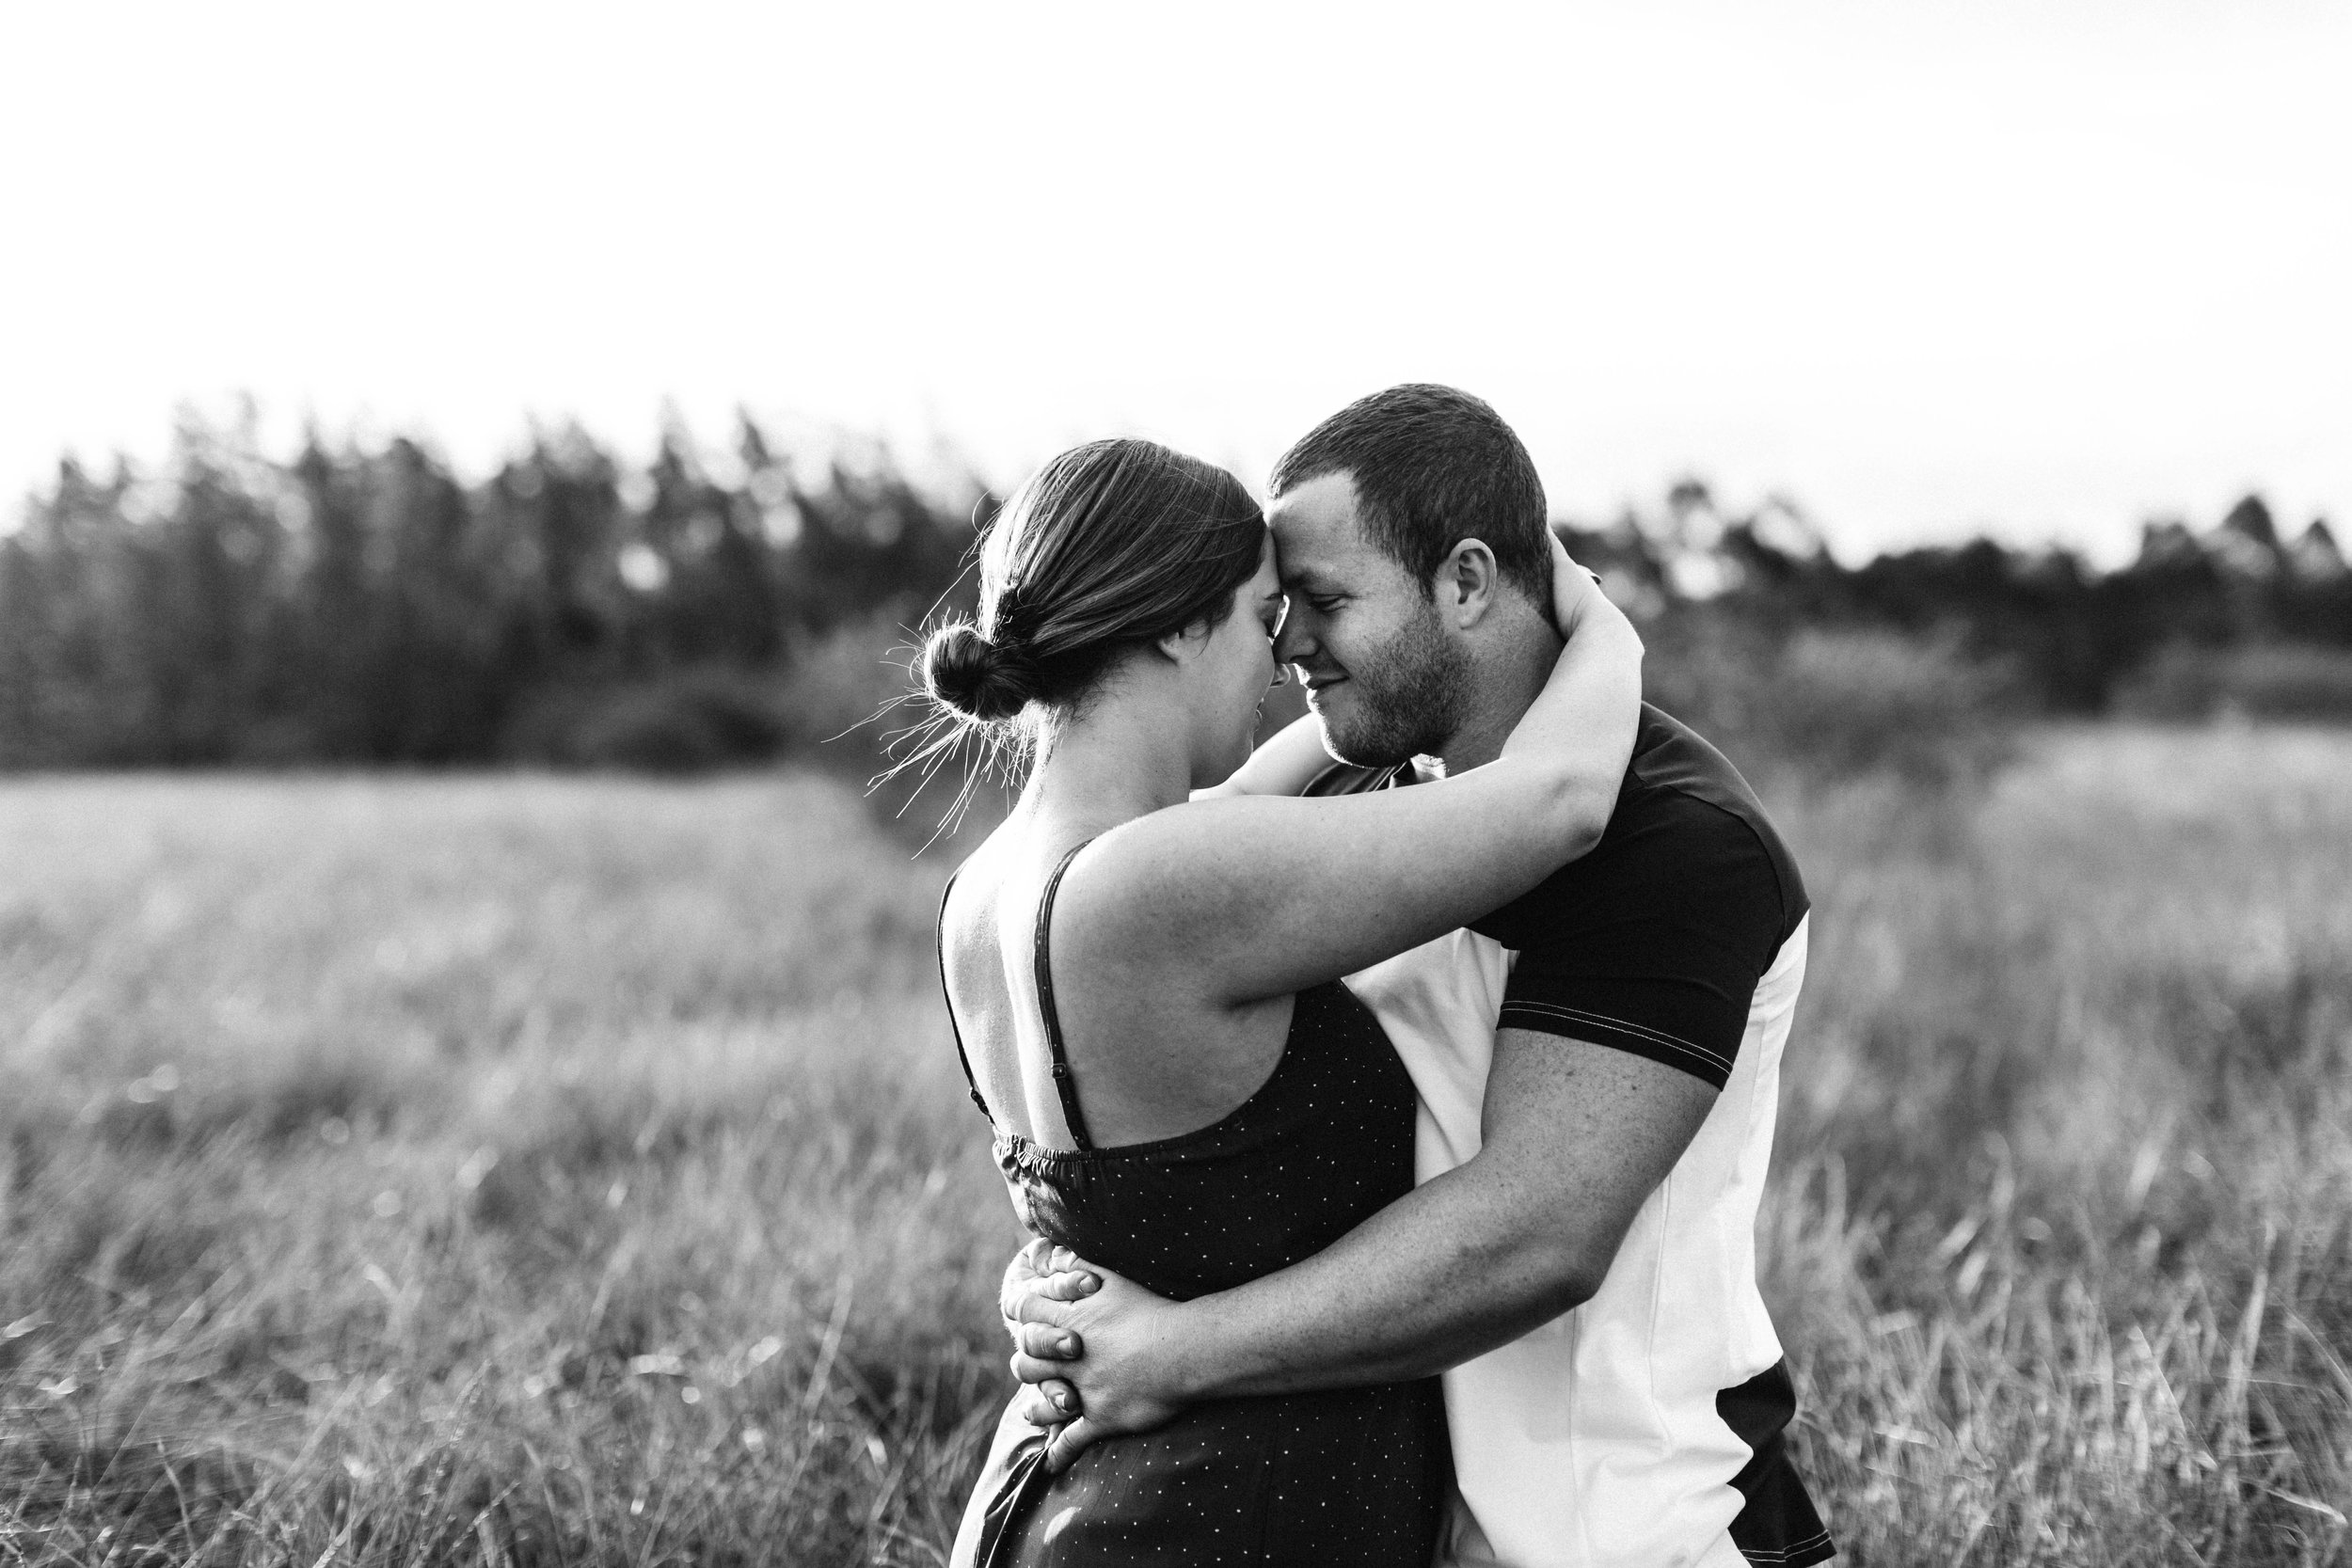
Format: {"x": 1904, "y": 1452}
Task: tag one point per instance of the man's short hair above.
{"x": 1432, "y": 467}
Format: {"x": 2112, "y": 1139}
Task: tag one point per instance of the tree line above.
{"x": 2069, "y": 638}
{"x": 362, "y": 605}
{"x": 366, "y": 607}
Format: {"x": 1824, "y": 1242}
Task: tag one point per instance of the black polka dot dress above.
{"x": 1348, "y": 1476}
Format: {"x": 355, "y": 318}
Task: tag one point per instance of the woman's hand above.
{"x": 1573, "y": 588}
{"x": 1580, "y": 728}
{"x": 1041, "y": 1269}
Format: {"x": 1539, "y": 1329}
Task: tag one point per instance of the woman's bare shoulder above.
{"x": 1128, "y": 892}
{"x": 1112, "y": 908}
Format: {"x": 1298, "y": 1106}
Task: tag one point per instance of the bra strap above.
{"x": 1063, "y": 1085}
{"x": 962, "y": 1060}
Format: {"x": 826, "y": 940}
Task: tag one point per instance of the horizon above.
{"x": 944, "y": 473}
{"x": 2041, "y": 275}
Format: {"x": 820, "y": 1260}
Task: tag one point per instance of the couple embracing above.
{"x": 1392, "y": 1104}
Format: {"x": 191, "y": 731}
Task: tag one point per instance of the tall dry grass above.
{"x": 426, "y": 1171}
{"x": 543, "y": 1171}
{"x": 2063, "y": 1235}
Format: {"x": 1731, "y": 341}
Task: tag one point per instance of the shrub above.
{"x": 847, "y": 690}
{"x": 1826, "y": 707}
{"x": 2270, "y": 680}
{"x": 688, "y": 723}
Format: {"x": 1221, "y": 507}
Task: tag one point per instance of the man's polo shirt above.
{"x": 1644, "y": 1428}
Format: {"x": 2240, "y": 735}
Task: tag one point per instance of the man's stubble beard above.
{"x": 1408, "y": 699}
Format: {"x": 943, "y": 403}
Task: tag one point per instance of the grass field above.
{"x": 535, "y": 1171}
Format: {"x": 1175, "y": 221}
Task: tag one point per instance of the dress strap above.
{"x": 962, "y": 1060}
{"x": 1062, "y": 1084}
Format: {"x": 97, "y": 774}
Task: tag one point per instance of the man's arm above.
{"x": 1576, "y": 1136}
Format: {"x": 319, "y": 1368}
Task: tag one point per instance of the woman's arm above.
{"x": 1290, "y": 761}
{"x": 1246, "y": 897}
{"x": 1285, "y": 765}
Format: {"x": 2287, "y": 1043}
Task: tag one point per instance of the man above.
{"x": 1597, "y": 1064}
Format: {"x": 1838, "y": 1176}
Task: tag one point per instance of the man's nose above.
{"x": 1290, "y": 642}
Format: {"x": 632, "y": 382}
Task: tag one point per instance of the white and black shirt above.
{"x": 1646, "y": 1427}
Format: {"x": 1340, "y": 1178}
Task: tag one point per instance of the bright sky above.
{"x": 2042, "y": 269}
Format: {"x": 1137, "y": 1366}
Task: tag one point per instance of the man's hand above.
{"x": 1094, "y": 1348}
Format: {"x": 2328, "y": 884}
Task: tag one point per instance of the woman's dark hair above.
{"x": 1111, "y": 545}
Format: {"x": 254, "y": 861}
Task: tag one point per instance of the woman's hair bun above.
{"x": 980, "y": 679}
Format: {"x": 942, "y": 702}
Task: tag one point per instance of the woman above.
{"x": 1143, "y": 969}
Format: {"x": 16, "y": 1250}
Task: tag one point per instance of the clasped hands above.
{"x": 1095, "y": 1354}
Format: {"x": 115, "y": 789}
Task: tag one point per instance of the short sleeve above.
{"x": 1654, "y": 942}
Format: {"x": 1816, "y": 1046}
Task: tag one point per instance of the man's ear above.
{"x": 1467, "y": 583}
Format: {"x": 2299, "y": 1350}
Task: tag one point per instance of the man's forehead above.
{"x": 1305, "y": 563}
{"x": 1315, "y": 533}
{"x": 1324, "y": 500}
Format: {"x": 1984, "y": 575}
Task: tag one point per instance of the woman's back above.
{"x": 1347, "y": 1475}
{"x": 1158, "y": 1056}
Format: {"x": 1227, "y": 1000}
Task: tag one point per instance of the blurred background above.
{"x": 472, "y": 1083}
{"x": 515, "y": 384}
